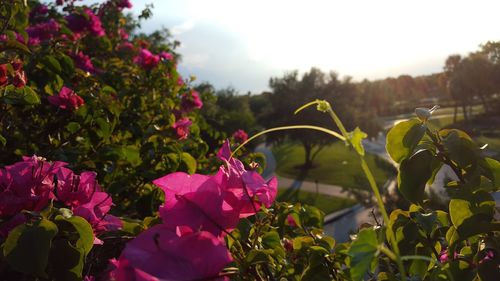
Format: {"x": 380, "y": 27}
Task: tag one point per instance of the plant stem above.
{"x": 390, "y": 234}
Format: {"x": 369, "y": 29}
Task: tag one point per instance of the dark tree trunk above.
{"x": 464, "y": 109}
{"x": 307, "y": 159}
{"x": 455, "y": 112}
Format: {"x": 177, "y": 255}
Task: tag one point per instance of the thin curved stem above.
{"x": 293, "y": 127}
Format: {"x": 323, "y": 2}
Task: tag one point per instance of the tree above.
{"x": 290, "y": 92}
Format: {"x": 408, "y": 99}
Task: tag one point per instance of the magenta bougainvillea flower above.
{"x": 26, "y": 185}
{"x": 146, "y": 59}
{"x": 19, "y": 80}
{"x": 31, "y": 183}
{"x": 166, "y": 56}
{"x": 196, "y": 201}
{"x": 240, "y": 136}
{"x": 4, "y": 79}
{"x": 182, "y": 128}
{"x": 39, "y": 10}
{"x": 122, "y": 270}
{"x": 67, "y": 99}
{"x": 125, "y": 47}
{"x": 190, "y": 101}
{"x": 42, "y": 32}
{"x": 75, "y": 190}
{"x": 161, "y": 253}
{"x": 124, "y": 4}
{"x": 83, "y": 62}
{"x": 246, "y": 189}
{"x": 83, "y": 195}
{"x": 88, "y": 23}
{"x": 123, "y": 34}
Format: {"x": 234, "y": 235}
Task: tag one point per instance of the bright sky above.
{"x": 244, "y": 43}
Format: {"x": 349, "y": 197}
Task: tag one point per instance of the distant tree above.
{"x": 291, "y": 91}
{"x": 455, "y": 84}
{"x": 224, "y": 112}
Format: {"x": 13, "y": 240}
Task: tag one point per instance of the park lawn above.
{"x": 493, "y": 145}
{"x": 326, "y": 203}
{"x": 440, "y": 122}
{"x": 336, "y": 164}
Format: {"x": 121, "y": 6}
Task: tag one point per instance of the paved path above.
{"x": 339, "y": 224}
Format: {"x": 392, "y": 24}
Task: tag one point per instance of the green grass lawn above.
{"x": 493, "y": 145}
{"x": 440, "y": 122}
{"x": 335, "y": 164}
{"x": 327, "y": 204}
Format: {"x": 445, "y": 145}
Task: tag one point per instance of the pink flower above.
{"x": 75, "y": 190}
{"x": 125, "y": 47}
{"x": 123, "y": 271}
{"x": 91, "y": 23}
{"x": 42, "y": 32}
{"x": 146, "y": 59}
{"x": 4, "y": 79}
{"x": 160, "y": 253}
{"x": 291, "y": 221}
{"x": 166, "y": 56}
{"x": 19, "y": 79}
{"x": 196, "y": 201}
{"x": 240, "y": 136}
{"x": 95, "y": 210}
{"x": 444, "y": 257}
{"x": 489, "y": 255}
{"x": 39, "y": 10}
{"x": 191, "y": 101}
{"x": 182, "y": 128}
{"x": 123, "y": 34}
{"x": 26, "y": 185}
{"x": 67, "y": 99}
{"x": 11, "y": 223}
{"x": 180, "y": 81}
{"x": 124, "y": 4}
{"x": 83, "y": 62}
{"x": 246, "y": 189}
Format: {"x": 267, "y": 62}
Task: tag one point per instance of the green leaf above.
{"x": 355, "y": 138}
{"x": 189, "y": 162}
{"x": 67, "y": 64}
{"x": 84, "y": 230}
{"x": 68, "y": 261}
{"x": 132, "y": 226}
{"x": 403, "y": 138}
{"x": 414, "y": 174}
{"x": 426, "y": 221}
{"x": 72, "y": 127}
{"x": 104, "y": 130}
{"x": 24, "y": 95}
{"x": 271, "y": 240}
{"x": 460, "y": 148}
{"x": 14, "y": 45}
{"x": 3, "y": 141}
{"x": 27, "y": 247}
{"x": 132, "y": 154}
{"x": 52, "y": 63}
{"x": 362, "y": 252}
{"x": 302, "y": 241}
{"x": 316, "y": 272}
{"x": 473, "y": 214}
{"x": 29, "y": 96}
{"x": 259, "y": 256}
{"x": 494, "y": 168}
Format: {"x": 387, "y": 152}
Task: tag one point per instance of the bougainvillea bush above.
{"x": 104, "y": 175}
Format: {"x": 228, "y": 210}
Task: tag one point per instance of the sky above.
{"x": 244, "y": 43}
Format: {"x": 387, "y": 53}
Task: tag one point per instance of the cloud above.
{"x": 183, "y": 27}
